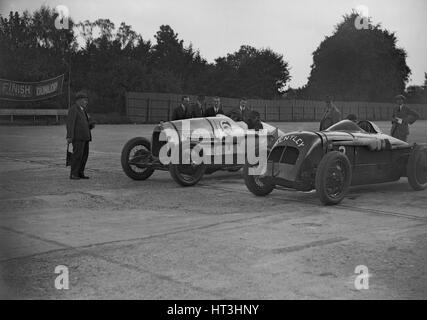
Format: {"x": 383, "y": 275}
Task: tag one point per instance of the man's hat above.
{"x": 81, "y": 95}
{"x": 400, "y": 96}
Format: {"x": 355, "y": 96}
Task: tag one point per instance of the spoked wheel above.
{"x": 136, "y": 155}
{"x": 187, "y": 175}
{"x": 333, "y": 178}
{"x": 417, "y": 168}
{"x": 257, "y": 185}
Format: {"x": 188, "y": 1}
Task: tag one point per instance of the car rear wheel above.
{"x": 417, "y": 168}
{"x": 333, "y": 178}
{"x": 135, "y": 153}
{"x": 258, "y": 186}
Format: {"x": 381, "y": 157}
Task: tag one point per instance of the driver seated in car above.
{"x": 253, "y": 121}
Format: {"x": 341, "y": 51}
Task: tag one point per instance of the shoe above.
{"x": 73, "y": 177}
{"x": 83, "y": 177}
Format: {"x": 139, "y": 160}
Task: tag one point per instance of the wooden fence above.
{"x": 144, "y": 107}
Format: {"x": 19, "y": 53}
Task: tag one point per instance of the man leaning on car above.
{"x": 182, "y": 111}
{"x": 197, "y": 110}
{"x": 241, "y": 112}
{"x": 78, "y": 133}
{"x": 212, "y": 111}
{"x": 402, "y": 117}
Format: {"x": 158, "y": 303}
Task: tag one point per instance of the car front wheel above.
{"x": 333, "y": 178}
{"x": 186, "y": 175}
{"x": 136, "y": 154}
{"x": 255, "y": 184}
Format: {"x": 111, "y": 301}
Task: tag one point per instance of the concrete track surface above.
{"x": 152, "y": 239}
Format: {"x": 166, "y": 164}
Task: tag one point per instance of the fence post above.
{"x": 265, "y": 112}
{"x": 169, "y": 109}
{"x": 292, "y": 110}
{"x": 127, "y": 103}
{"x": 147, "y": 115}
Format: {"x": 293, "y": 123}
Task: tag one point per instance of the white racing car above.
{"x": 141, "y": 156}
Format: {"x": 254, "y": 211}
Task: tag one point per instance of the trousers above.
{"x": 79, "y": 158}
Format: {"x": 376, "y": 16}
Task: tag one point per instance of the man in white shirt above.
{"x": 402, "y": 117}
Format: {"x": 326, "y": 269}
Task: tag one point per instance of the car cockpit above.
{"x": 360, "y": 126}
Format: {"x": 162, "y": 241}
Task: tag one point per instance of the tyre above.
{"x": 137, "y": 150}
{"x": 190, "y": 174}
{"x": 187, "y": 175}
{"x": 255, "y": 184}
{"x": 333, "y": 178}
{"x": 416, "y": 168}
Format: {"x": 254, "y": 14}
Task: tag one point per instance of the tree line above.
{"x": 107, "y": 61}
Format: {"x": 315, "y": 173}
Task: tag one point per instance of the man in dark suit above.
{"x": 183, "y": 111}
{"x": 240, "y": 113}
{"x": 215, "y": 109}
{"x": 78, "y": 133}
{"x": 402, "y": 117}
{"x": 331, "y": 115}
{"x": 197, "y": 110}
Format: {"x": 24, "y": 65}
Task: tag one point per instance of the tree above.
{"x": 251, "y": 72}
{"x": 110, "y": 61}
{"x": 181, "y": 67}
{"x": 417, "y": 94}
{"x": 354, "y": 64}
{"x": 32, "y": 49}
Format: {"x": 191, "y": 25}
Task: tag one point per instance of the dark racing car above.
{"x": 331, "y": 161}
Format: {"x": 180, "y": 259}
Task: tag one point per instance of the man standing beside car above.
{"x": 331, "y": 116}
{"x": 402, "y": 117}
{"x": 78, "y": 133}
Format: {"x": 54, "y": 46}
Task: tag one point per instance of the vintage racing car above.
{"x": 141, "y": 157}
{"x": 330, "y": 161}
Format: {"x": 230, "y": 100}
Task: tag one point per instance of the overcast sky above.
{"x": 217, "y": 27}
